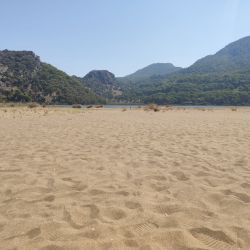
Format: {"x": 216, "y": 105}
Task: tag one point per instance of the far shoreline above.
{"x": 117, "y": 106}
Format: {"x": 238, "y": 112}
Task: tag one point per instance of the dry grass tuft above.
{"x": 33, "y": 105}
{"x": 234, "y": 109}
{"x": 90, "y": 106}
{"x": 152, "y": 107}
{"x": 99, "y": 106}
{"x": 76, "y": 106}
{"x": 202, "y": 109}
{"x": 123, "y": 110}
{"x": 167, "y": 108}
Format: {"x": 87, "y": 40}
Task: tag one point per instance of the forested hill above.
{"x": 220, "y": 79}
{"x": 101, "y": 82}
{"x": 155, "y": 69}
{"x": 23, "y": 78}
{"x": 234, "y": 57}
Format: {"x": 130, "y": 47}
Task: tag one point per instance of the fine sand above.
{"x": 112, "y": 179}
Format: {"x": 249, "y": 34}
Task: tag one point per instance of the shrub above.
{"x": 33, "y": 105}
{"x": 77, "y": 106}
{"x": 153, "y": 107}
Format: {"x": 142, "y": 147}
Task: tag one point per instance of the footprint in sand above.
{"x": 168, "y": 209}
{"x": 215, "y": 239}
{"x": 123, "y": 193}
{"x": 180, "y": 176}
{"x": 157, "y": 177}
{"x": 241, "y": 196}
{"x": 2, "y": 227}
{"x": 130, "y": 243}
{"x": 246, "y": 185}
{"x": 50, "y": 184}
{"x": 34, "y": 232}
{"x": 115, "y": 213}
{"x": 79, "y": 218}
{"x": 144, "y": 228}
{"x": 91, "y": 210}
{"x": 79, "y": 187}
{"x": 160, "y": 188}
{"x": 52, "y": 247}
{"x": 132, "y": 205}
{"x": 91, "y": 234}
{"x": 147, "y": 247}
{"x": 128, "y": 234}
{"x": 49, "y": 198}
{"x": 96, "y": 192}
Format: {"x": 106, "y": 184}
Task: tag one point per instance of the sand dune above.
{"x": 107, "y": 179}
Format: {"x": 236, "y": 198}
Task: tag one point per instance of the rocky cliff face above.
{"x": 23, "y": 78}
{"x": 17, "y": 67}
{"x": 102, "y": 83}
{"x": 103, "y": 77}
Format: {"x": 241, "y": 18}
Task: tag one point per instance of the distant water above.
{"x": 207, "y": 107}
{"x": 104, "y": 106}
{"x": 141, "y": 106}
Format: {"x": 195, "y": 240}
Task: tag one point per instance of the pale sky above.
{"x": 121, "y": 35}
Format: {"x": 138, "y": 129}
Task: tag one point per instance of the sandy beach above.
{"x": 112, "y": 179}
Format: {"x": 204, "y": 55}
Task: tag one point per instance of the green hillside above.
{"x": 220, "y": 79}
{"x": 234, "y": 57}
{"x": 23, "y": 78}
{"x": 155, "y": 69}
{"x": 102, "y": 83}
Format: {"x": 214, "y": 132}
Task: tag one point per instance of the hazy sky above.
{"x": 121, "y": 35}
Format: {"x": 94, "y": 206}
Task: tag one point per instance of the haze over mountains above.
{"x": 160, "y": 69}
{"x": 220, "y": 79}
{"x": 234, "y": 57}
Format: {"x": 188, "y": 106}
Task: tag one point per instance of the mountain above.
{"x": 219, "y": 79}
{"x": 23, "y": 78}
{"x": 101, "y": 77}
{"x": 234, "y": 57}
{"x": 102, "y": 83}
{"x": 155, "y": 69}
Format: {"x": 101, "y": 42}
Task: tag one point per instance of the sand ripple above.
{"x": 107, "y": 179}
